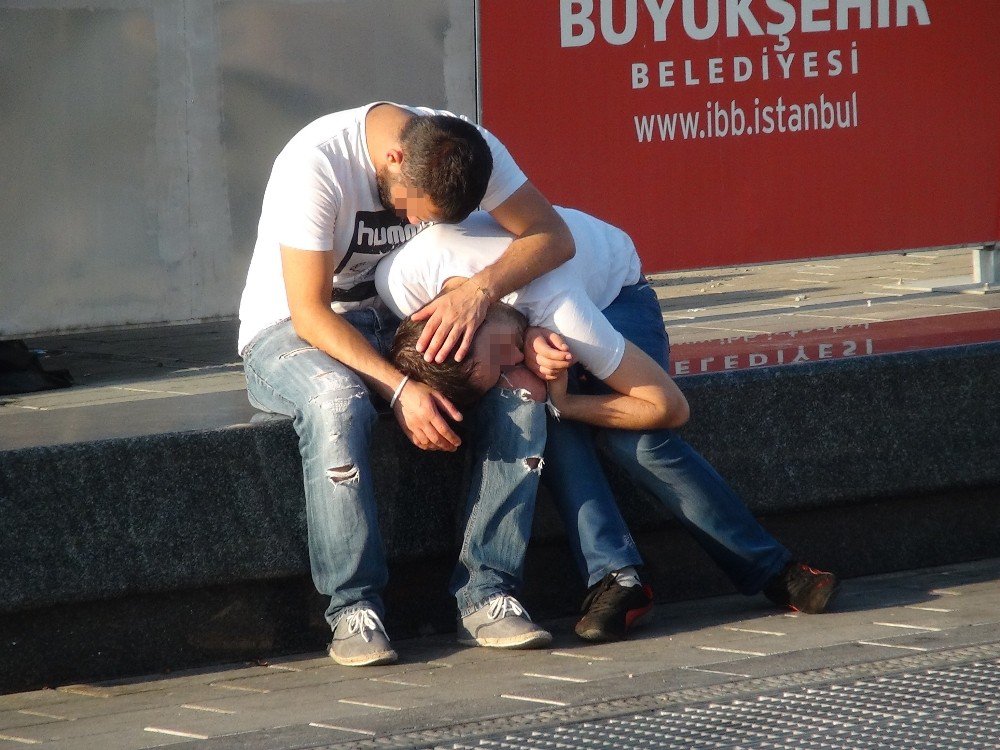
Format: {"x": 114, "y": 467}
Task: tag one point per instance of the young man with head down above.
{"x": 599, "y": 311}
{"x": 314, "y": 335}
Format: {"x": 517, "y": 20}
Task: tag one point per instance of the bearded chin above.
{"x": 382, "y": 184}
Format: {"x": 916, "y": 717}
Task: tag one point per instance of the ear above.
{"x": 394, "y": 157}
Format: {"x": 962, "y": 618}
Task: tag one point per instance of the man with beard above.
{"x": 345, "y": 190}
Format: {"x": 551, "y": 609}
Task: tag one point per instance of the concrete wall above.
{"x": 136, "y": 137}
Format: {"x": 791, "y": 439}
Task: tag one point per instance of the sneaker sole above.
{"x": 367, "y": 660}
{"x": 536, "y": 639}
{"x": 820, "y": 604}
{"x": 596, "y": 635}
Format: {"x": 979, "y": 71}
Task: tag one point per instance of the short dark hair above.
{"x": 451, "y": 379}
{"x": 449, "y": 159}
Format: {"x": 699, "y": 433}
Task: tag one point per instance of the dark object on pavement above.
{"x": 21, "y": 372}
{"x": 802, "y": 588}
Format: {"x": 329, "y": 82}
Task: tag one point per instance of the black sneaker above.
{"x": 802, "y": 588}
{"x": 610, "y": 609}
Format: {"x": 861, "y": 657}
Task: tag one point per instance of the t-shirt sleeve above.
{"x": 306, "y": 200}
{"x": 413, "y": 274}
{"x": 507, "y": 176}
{"x": 591, "y": 338}
{"x": 404, "y": 281}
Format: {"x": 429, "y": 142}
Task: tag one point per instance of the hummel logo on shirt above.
{"x": 375, "y": 234}
{"x": 393, "y": 235}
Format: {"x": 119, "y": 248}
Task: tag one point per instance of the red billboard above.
{"x": 721, "y": 132}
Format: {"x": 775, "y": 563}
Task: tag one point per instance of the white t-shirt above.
{"x": 568, "y": 299}
{"x": 322, "y": 196}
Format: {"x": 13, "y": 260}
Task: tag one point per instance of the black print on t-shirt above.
{"x": 376, "y": 233}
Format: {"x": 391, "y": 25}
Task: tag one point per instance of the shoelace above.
{"x": 605, "y": 597}
{"x": 363, "y": 621}
{"x": 596, "y": 601}
{"x": 504, "y": 605}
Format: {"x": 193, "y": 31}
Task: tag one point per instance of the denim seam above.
{"x": 257, "y": 337}
{"x": 611, "y": 568}
{"x": 265, "y": 384}
{"x": 467, "y": 604}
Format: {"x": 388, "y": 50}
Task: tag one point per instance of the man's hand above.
{"x": 546, "y": 353}
{"x": 418, "y": 411}
{"x": 452, "y": 319}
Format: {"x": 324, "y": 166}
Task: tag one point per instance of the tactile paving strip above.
{"x": 951, "y": 708}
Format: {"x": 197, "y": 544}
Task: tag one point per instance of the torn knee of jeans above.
{"x": 519, "y": 393}
{"x": 523, "y": 384}
{"x": 340, "y": 391}
{"x": 335, "y": 380}
{"x": 343, "y": 474}
{"x": 296, "y": 352}
{"x": 534, "y": 464}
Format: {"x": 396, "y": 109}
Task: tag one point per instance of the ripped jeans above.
{"x": 333, "y": 416}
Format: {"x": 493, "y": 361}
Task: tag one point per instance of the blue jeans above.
{"x": 659, "y": 461}
{"x": 333, "y": 416}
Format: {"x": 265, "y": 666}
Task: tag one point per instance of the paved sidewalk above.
{"x": 901, "y": 653}
{"x": 826, "y": 292}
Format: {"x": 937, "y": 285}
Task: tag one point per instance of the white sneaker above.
{"x": 359, "y": 638}
{"x": 501, "y": 622}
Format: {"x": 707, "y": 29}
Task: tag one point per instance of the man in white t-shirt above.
{"x": 313, "y": 334}
{"x": 596, "y": 310}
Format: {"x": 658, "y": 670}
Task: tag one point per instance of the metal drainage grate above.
{"x": 945, "y": 709}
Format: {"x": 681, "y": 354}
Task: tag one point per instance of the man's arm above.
{"x": 542, "y": 242}
{"x": 646, "y": 397}
{"x": 307, "y": 275}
